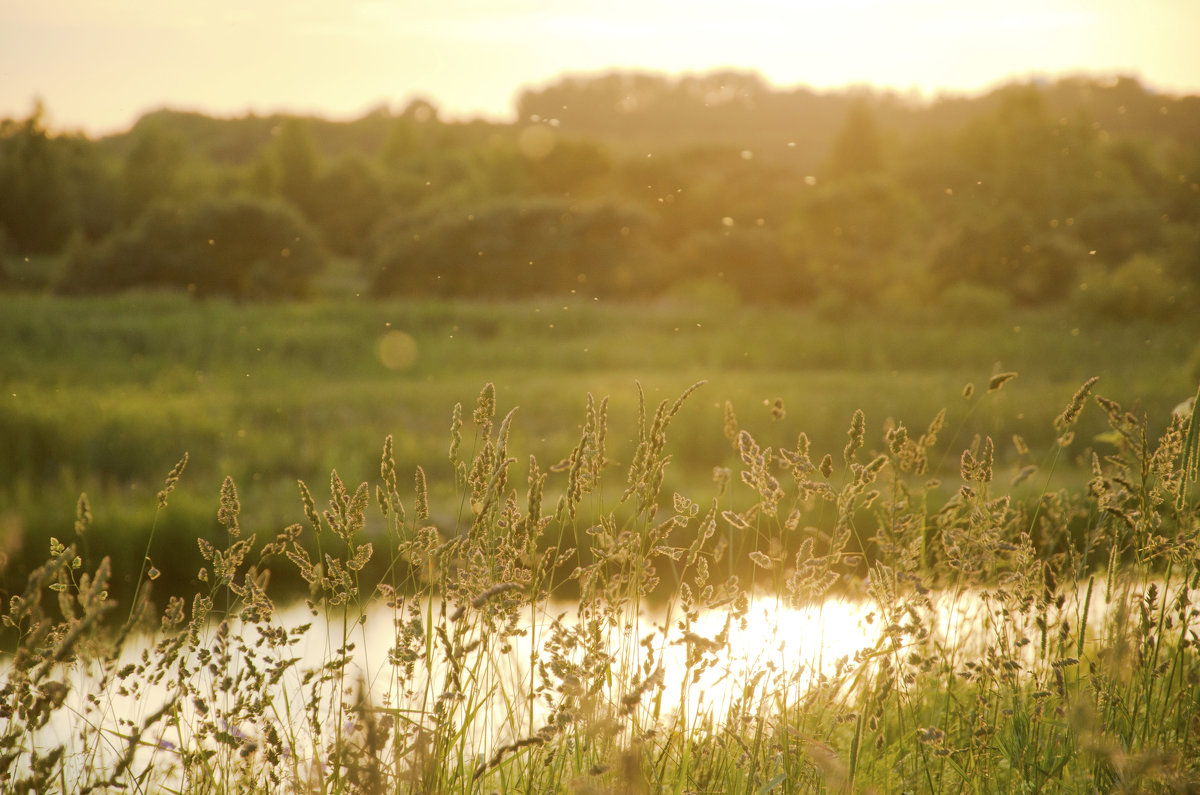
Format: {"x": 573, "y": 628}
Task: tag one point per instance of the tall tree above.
{"x": 858, "y": 147}
{"x": 298, "y": 165}
{"x": 152, "y": 167}
{"x": 37, "y": 203}
{"x": 348, "y": 201}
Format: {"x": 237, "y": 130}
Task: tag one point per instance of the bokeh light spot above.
{"x": 397, "y": 350}
{"x": 536, "y": 142}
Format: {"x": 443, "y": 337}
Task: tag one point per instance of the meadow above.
{"x": 574, "y": 491}
{"x": 102, "y": 395}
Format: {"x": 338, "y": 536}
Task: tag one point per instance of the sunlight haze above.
{"x": 99, "y": 65}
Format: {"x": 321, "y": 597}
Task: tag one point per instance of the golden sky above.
{"x": 98, "y": 64}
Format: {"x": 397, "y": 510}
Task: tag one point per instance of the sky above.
{"x": 97, "y": 65}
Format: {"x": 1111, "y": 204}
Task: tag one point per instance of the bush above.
{"x": 1121, "y": 227}
{"x": 861, "y": 230}
{"x": 237, "y": 247}
{"x": 1006, "y": 251}
{"x": 752, "y": 261}
{"x": 511, "y": 248}
{"x": 1139, "y": 289}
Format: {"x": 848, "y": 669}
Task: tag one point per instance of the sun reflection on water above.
{"x": 662, "y": 669}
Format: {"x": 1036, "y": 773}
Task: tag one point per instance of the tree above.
{"x": 861, "y": 230}
{"x": 1138, "y": 289}
{"x": 1119, "y": 228}
{"x": 858, "y": 147}
{"x": 411, "y": 136}
{"x": 1020, "y": 154}
{"x": 570, "y": 167}
{"x": 1006, "y": 251}
{"x": 347, "y": 202}
{"x": 297, "y": 165}
{"x": 238, "y": 247}
{"x": 37, "y": 203}
{"x": 751, "y": 260}
{"x": 517, "y": 247}
{"x": 151, "y": 169}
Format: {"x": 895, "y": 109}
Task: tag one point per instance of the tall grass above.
{"x": 530, "y": 627}
{"x": 102, "y": 394}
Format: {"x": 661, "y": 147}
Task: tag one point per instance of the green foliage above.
{"x": 558, "y": 164}
{"x": 858, "y": 148}
{"x": 510, "y": 248}
{"x": 1118, "y": 229}
{"x": 1139, "y": 289}
{"x": 861, "y": 230}
{"x": 1023, "y": 154}
{"x": 297, "y": 165}
{"x": 236, "y": 247}
{"x": 346, "y": 204}
{"x": 1006, "y": 252}
{"x": 857, "y": 194}
{"x": 152, "y": 170}
{"x": 49, "y": 186}
{"x": 752, "y": 262}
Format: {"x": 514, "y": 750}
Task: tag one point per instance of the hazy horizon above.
{"x": 98, "y": 67}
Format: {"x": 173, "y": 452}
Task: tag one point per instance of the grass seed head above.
{"x": 997, "y": 382}
{"x": 731, "y": 424}
{"x": 856, "y": 432}
{"x": 172, "y": 480}
{"x": 1071, "y": 413}
{"x": 227, "y": 514}
{"x": 83, "y": 514}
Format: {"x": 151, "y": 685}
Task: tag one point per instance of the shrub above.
{"x": 1119, "y": 228}
{"x": 238, "y": 247}
{"x": 1006, "y": 251}
{"x": 1138, "y": 289}
{"x": 752, "y": 261}
{"x": 510, "y": 248}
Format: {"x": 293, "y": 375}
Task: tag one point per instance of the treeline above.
{"x": 637, "y": 185}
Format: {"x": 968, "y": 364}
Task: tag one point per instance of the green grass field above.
{"x": 103, "y": 395}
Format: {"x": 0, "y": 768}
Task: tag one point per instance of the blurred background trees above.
{"x": 239, "y": 247}
{"x": 1078, "y": 192}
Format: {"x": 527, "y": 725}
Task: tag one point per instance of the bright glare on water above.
{"x": 662, "y": 670}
